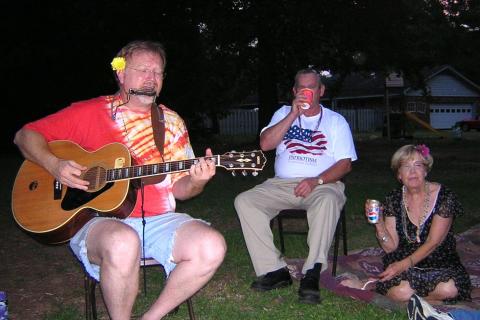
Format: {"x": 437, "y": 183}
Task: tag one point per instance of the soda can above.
{"x": 3, "y": 306}
{"x": 373, "y": 210}
{"x": 309, "y": 94}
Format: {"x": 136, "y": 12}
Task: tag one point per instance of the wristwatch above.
{"x": 320, "y": 181}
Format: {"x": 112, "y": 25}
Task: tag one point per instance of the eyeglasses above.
{"x": 144, "y": 72}
{"x": 417, "y": 165}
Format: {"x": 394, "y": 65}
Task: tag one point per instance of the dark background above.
{"x": 222, "y": 52}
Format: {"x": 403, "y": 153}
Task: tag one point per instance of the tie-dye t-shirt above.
{"x": 94, "y": 123}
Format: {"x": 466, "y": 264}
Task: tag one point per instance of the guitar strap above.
{"x": 158, "y": 125}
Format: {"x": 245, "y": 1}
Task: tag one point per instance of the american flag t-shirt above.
{"x": 305, "y": 141}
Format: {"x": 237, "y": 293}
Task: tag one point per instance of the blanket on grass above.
{"x": 367, "y": 263}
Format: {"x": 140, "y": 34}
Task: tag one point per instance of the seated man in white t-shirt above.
{"x": 314, "y": 150}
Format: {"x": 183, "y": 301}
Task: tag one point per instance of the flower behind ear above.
{"x": 423, "y": 149}
{"x": 118, "y": 63}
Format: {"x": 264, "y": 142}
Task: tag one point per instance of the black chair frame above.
{"x": 91, "y": 284}
{"x": 341, "y": 228}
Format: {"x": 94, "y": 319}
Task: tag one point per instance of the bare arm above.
{"x": 438, "y": 232}
{"x": 336, "y": 172}
{"x": 193, "y": 184}
{"x": 271, "y": 137}
{"x": 35, "y": 148}
{"x": 386, "y": 233}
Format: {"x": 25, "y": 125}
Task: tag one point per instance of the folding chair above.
{"x": 302, "y": 214}
{"x": 91, "y": 284}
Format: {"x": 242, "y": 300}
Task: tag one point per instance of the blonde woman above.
{"x": 416, "y": 234}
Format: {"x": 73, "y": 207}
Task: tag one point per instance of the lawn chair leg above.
{"x": 335, "y": 249}
{"x": 280, "y": 234}
{"x": 191, "y": 313}
{"x": 344, "y": 232}
{"x": 90, "y": 300}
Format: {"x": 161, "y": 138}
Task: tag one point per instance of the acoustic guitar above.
{"x": 52, "y": 213}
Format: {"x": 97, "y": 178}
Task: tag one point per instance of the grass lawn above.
{"x": 48, "y": 289}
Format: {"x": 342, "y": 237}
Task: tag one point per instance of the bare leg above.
{"x": 351, "y": 280}
{"x": 443, "y": 290}
{"x": 198, "y": 251}
{"x": 352, "y": 283}
{"x": 115, "y": 247}
{"x": 401, "y": 293}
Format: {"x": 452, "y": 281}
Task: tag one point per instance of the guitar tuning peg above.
{"x": 233, "y": 174}
{"x": 244, "y": 173}
{"x": 255, "y": 173}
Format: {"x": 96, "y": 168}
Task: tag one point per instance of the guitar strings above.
{"x": 139, "y": 171}
{"x": 153, "y": 169}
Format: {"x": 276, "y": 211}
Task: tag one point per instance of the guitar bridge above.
{"x": 57, "y": 189}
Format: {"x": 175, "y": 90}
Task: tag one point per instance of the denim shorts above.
{"x": 160, "y": 234}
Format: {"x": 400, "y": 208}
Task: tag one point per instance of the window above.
{"x": 411, "y": 106}
{"x": 419, "y": 107}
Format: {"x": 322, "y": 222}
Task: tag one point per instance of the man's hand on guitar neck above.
{"x": 203, "y": 171}
{"x": 199, "y": 174}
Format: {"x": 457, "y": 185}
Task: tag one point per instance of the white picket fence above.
{"x": 363, "y": 120}
{"x": 245, "y": 121}
{"x": 240, "y": 121}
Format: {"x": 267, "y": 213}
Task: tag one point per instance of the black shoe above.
{"x": 309, "y": 291}
{"x": 273, "y": 280}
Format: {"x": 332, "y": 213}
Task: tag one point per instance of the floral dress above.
{"x": 442, "y": 264}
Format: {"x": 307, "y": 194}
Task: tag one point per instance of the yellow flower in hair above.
{"x": 118, "y": 63}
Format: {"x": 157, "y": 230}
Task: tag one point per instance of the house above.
{"x": 448, "y": 97}
{"x": 451, "y": 97}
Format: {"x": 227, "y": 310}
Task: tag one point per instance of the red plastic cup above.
{"x": 308, "y": 93}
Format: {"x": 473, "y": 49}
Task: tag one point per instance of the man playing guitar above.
{"x": 109, "y": 248}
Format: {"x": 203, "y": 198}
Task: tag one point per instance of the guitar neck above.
{"x": 148, "y": 170}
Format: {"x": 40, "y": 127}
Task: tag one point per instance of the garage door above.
{"x": 444, "y": 116}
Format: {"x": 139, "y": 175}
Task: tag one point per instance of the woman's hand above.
{"x": 394, "y": 270}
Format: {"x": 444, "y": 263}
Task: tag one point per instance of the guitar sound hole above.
{"x": 96, "y": 176}
{"x": 33, "y": 185}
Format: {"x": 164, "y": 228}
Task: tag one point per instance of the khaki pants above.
{"x": 257, "y": 206}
